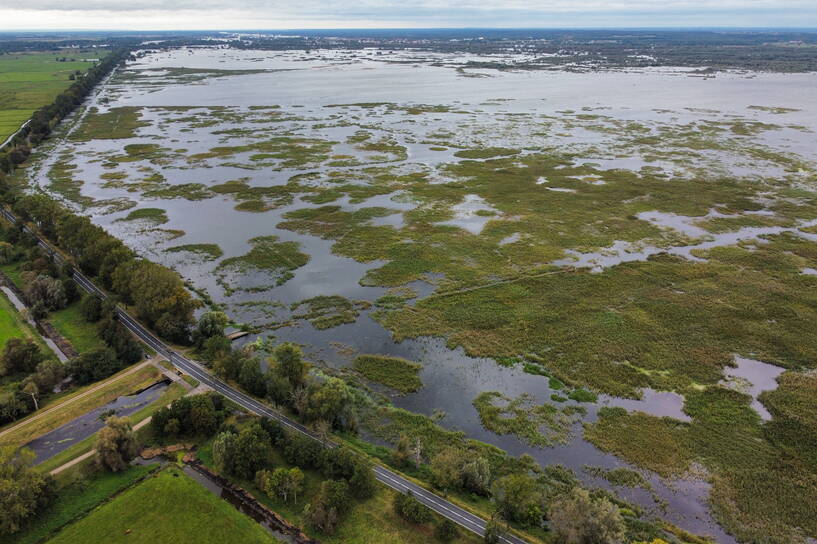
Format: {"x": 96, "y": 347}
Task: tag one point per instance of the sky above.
{"x": 289, "y": 14}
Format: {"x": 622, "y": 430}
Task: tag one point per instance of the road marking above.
{"x": 443, "y": 507}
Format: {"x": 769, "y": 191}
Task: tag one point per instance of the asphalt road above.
{"x": 389, "y": 478}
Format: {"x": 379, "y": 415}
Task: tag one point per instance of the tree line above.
{"x": 522, "y": 493}
{"x": 31, "y": 373}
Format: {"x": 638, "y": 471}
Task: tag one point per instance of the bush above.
{"x": 94, "y": 365}
{"x": 446, "y": 531}
{"x": 91, "y": 308}
{"x": 20, "y": 355}
{"x": 325, "y": 510}
{"x": 410, "y": 509}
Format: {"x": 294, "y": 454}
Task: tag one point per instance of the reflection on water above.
{"x": 753, "y": 377}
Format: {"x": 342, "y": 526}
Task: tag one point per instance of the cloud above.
{"x": 185, "y": 14}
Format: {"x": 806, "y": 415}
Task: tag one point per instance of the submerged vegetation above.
{"x": 269, "y": 256}
{"x": 538, "y": 424}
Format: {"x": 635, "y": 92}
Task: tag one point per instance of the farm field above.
{"x": 29, "y": 81}
{"x": 169, "y": 507}
{"x": 550, "y": 262}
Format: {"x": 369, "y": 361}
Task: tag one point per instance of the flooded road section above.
{"x": 418, "y": 114}
{"x": 50, "y": 444}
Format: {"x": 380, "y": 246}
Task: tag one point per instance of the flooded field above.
{"x": 624, "y": 239}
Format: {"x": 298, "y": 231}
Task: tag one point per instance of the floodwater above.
{"x": 50, "y": 444}
{"x": 581, "y": 113}
{"x": 753, "y": 377}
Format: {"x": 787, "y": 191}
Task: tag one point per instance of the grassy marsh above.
{"x": 394, "y": 372}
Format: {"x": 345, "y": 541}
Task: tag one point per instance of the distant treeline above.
{"x": 764, "y": 50}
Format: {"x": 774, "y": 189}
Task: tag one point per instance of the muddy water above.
{"x": 526, "y": 110}
{"x": 77, "y": 430}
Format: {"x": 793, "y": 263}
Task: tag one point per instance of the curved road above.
{"x": 389, "y": 478}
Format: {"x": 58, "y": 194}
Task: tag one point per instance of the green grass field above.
{"x": 169, "y": 507}
{"x": 76, "y": 500}
{"x": 70, "y": 323}
{"x": 12, "y": 324}
{"x": 29, "y": 81}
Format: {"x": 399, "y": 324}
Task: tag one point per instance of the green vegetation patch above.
{"x": 70, "y": 323}
{"x": 666, "y": 323}
{"x": 157, "y": 216}
{"x": 29, "y": 81}
{"x": 12, "y": 324}
{"x": 166, "y": 508}
{"x": 325, "y": 312}
{"x": 76, "y": 500}
{"x": 659, "y": 444}
{"x": 763, "y": 476}
{"x": 117, "y": 123}
{"x": 268, "y": 255}
{"x": 288, "y": 152}
{"x": 188, "y": 191}
{"x": 623, "y": 477}
{"x": 209, "y": 252}
{"x": 395, "y": 372}
{"x": 485, "y": 153}
{"x": 538, "y": 424}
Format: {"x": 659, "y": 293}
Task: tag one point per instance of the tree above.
{"x": 252, "y": 451}
{"x": 12, "y": 406}
{"x": 30, "y": 388}
{"x": 229, "y": 365}
{"x": 210, "y": 324}
{"x": 223, "y": 451}
{"x": 281, "y": 482}
{"x": 363, "y": 482}
{"x": 576, "y": 518}
{"x": 302, "y": 451}
{"x": 115, "y": 444}
{"x": 278, "y": 388}
{"x": 48, "y": 375}
{"x": 476, "y": 476}
{"x": 519, "y": 498}
{"x": 20, "y": 355}
{"x": 196, "y": 414}
{"x": 93, "y": 365}
{"x": 215, "y": 348}
{"x": 327, "y": 507}
{"x": 113, "y": 333}
{"x": 330, "y": 402}
{"x": 291, "y": 363}
{"x": 159, "y": 297}
{"x": 446, "y": 531}
{"x": 7, "y": 252}
{"x": 45, "y": 290}
{"x": 23, "y": 490}
{"x": 91, "y": 308}
{"x": 203, "y": 417}
{"x": 446, "y": 468}
{"x": 410, "y": 509}
{"x": 492, "y": 533}
{"x": 401, "y": 455}
{"x": 251, "y": 378}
